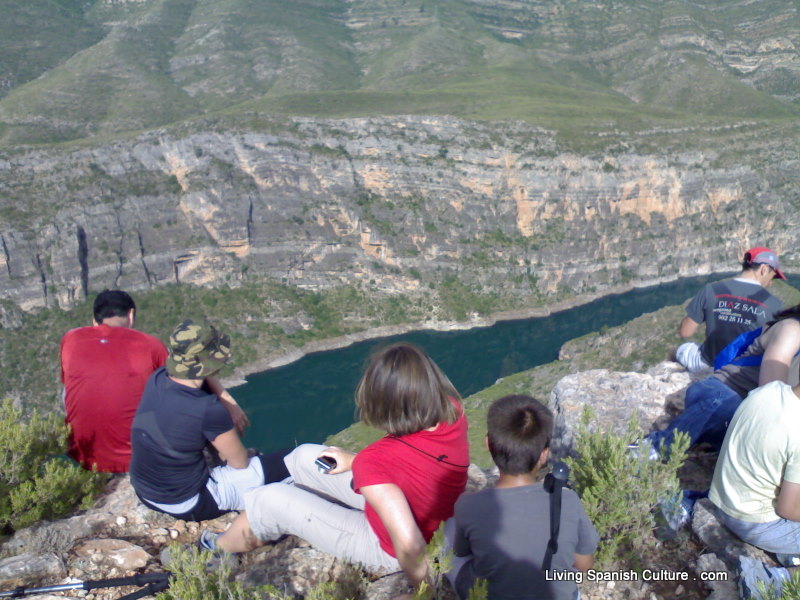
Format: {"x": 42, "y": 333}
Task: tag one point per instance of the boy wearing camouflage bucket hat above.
{"x": 197, "y": 350}
{"x": 183, "y": 409}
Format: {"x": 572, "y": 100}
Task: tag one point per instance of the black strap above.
{"x": 441, "y": 458}
{"x": 554, "y": 486}
{"x": 140, "y": 579}
{"x": 151, "y": 589}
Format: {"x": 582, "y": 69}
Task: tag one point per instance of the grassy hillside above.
{"x": 264, "y": 318}
{"x": 83, "y": 69}
{"x": 25, "y": 27}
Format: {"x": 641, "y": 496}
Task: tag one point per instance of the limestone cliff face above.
{"x": 397, "y": 203}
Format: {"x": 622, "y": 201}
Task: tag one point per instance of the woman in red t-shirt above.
{"x": 388, "y": 499}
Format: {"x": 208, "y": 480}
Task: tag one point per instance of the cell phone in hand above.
{"x": 325, "y": 463}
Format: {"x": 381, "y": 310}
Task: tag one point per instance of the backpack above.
{"x": 731, "y": 353}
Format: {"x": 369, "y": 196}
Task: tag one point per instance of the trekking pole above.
{"x": 155, "y": 582}
{"x": 151, "y": 589}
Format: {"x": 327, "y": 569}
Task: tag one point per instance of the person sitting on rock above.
{"x": 728, "y": 308}
{"x": 104, "y": 369}
{"x": 501, "y": 534}
{"x": 756, "y": 482}
{"x": 184, "y": 409}
{"x": 379, "y": 507}
{"x": 711, "y": 402}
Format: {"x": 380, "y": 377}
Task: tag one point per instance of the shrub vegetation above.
{"x": 620, "y": 492}
{"x": 790, "y": 589}
{"x": 36, "y": 480}
{"x": 192, "y": 579}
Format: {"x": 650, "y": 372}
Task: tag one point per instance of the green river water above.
{"x": 311, "y": 398}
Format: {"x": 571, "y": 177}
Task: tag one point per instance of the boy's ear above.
{"x": 486, "y": 441}
{"x": 543, "y": 458}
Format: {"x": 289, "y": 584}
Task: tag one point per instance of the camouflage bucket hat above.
{"x": 197, "y": 350}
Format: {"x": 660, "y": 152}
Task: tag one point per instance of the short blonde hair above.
{"x": 403, "y": 391}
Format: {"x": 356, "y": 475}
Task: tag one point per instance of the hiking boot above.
{"x": 756, "y": 581}
{"x": 788, "y": 560}
{"x": 676, "y": 512}
{"x": 637, "y": 447}
{"x": 208, "y": 540}
{"x": 671, "y": 517}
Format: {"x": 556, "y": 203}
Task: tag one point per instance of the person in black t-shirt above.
{"x": 183, "y": 410}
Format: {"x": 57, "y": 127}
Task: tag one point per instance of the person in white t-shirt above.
{"x": 756, "y": 482}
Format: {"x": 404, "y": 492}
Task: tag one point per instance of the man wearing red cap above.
{"x": 730, "y": 307}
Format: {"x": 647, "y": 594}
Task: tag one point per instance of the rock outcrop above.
{"x": 614, "y": 398}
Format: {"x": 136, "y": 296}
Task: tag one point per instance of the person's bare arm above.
{"x": 783, "y": 345}
{"x": 391, "y": 505}
{"x": 583, "y": 562}
{"x": 788, "y": 504}
{"x": 240, "y": 420}
{"x": 231, "y": 449}
{"x": 688, "y": 327}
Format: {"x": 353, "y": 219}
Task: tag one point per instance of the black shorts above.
{"x": 206, "y": 507}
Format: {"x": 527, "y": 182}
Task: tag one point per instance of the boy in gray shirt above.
{"x": 503, "y": 531}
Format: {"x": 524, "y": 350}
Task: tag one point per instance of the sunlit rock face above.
{"x": 321, "y": 203}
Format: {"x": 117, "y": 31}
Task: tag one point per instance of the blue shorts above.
{"x": 781, "y": 536}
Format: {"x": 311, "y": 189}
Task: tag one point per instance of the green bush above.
{"x": 479, "y": 590}
{"x": 620, "y": 491}
{"x": 36, "y": 480}
{"x": 193, "y": 579}
{"x": 440, "y": 560}
{"x": 790, "y": 589}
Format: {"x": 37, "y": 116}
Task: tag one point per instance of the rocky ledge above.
{"x": 119, "y": 536}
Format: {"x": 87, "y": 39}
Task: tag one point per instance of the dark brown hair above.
{"x": 793, "y": 312}
{"x": 403, "y": 391}
{"x": 519, "y": 428}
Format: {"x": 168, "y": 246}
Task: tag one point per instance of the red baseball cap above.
{"x": 764, "y": 256}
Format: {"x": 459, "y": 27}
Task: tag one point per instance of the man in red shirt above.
{"x": 104, "y": 369}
